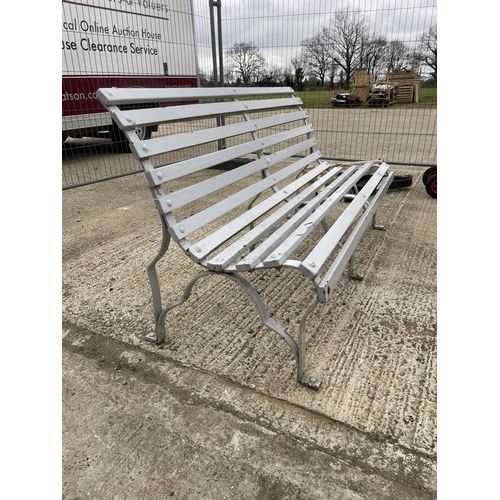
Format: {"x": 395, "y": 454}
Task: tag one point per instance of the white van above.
{"x": 121, "y": 43}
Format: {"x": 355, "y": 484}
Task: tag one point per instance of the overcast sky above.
{"x": 278, "y": 27}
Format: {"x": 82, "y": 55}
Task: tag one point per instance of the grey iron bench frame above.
{"x": 266, "y": 134}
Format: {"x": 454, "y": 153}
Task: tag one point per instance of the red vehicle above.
{"x": 121, "y": 43}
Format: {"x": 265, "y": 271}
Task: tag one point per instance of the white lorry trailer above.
{"x": 121, "y": 43}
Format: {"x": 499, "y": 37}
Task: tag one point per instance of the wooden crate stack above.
{"x": 408, "y": 85}
{"x": 362, "y": 84}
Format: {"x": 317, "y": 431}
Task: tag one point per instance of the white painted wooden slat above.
{"x": 207, "y": 245}
{"x": 240, "y": 246}
{"x": 331, "y": 277}
{"x": 268, "y": 246}
{"x": 187, "y": 226}
{"x": 173, "y": 171}
{"x": 159, "y": 145}
{"x": 318, "y": 256}
{"x": 191, "y": 193}
{"x": 286, "y": 248}
{"x": 130, "y": 119}
{"x": 119, "y": 96}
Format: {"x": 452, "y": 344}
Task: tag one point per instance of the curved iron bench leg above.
{"x": 299, "y": 352}
{"x": 158, "y": 335}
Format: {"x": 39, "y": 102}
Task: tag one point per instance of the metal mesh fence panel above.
{"x": 365, "y": 70}
{"x": 117, "y": 43}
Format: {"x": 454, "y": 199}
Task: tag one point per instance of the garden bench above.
{"x": 259, "y": 205}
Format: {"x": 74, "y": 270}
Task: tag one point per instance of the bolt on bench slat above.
{"x": 130, "y": 119}
{"x": 333, "y": 274}
{"x": 215, "y": 239}
{"x": 180, "y": 198}
{"x": 330, "y": 240}
{"x": 282, "y": 243}
{"x": 179, "y": 169}
{"x": 161, "y": 145}
{"x": 191, "y": 224}
{"x": 225, "y": 258}
{"x": 127, "y": 96}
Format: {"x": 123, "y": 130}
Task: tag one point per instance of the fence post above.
{"x": 217, "y": 65}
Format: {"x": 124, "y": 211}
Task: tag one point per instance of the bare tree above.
{"x": 398, "y": 56}
{"x": 317, "y": 56}
{"x": 298, "y": 72}
{"x": 348, "y": 36}
{"x": 272, "y": 74}
{"x": 332, "y": 72}
{"x": 428, "y": 49}
{"x": 374, "y": 54}
{"x": 246, "y": 60}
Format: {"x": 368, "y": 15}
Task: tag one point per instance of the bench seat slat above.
{"x": 191, "y": 224}
{"x": 130, "y": 119}
{"x": 173, "y": 171}
{"x": 191, "y": 193}
{"x": 287, "y": 245}
{"x": 333, "y": 274}
{"x": 276, "y": 239}
{"x": 240, "y": 246}
{"x": 160, "y": 145}
{"x": 118, "y": 96}
{"x": 318, "y": 256}
{"x": 208, "y": 244}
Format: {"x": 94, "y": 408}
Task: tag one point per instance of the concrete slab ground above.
{"x": 207, "y": 414}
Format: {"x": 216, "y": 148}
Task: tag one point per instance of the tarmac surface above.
{"x": 216, "y": 411}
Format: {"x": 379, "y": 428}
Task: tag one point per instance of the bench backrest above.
{"x": 262, "y": 131}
